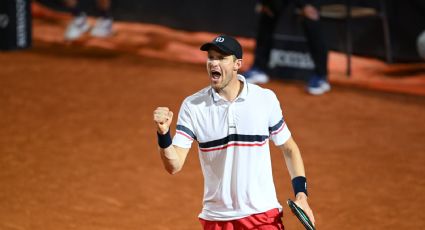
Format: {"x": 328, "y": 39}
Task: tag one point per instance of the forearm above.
{"x": 171, "y": 160}
{"x": 295, "y": 165}
{"x": 172, "y": 157}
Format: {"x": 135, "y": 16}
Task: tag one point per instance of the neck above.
{"x": 232, "y": 91}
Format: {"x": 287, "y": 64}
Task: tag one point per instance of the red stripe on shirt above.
{"x": 184, "y": 134}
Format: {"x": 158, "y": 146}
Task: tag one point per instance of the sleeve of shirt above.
{"x": 278, "y": 129}
{"x": 184, "y": 130}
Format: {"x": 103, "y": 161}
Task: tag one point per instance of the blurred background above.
{"x": 406, "y": 20}
{"x": 78, "y": 145}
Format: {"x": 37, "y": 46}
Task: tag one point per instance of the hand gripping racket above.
{"x": 300, "y": 214}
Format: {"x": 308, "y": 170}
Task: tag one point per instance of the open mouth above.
{"x": 215, "y": 74}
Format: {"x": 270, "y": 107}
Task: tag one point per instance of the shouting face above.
{"x": 222, "y": 69}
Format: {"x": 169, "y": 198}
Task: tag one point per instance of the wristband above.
{"x": 164, "y": 140}
{"x": 299, "y": 184}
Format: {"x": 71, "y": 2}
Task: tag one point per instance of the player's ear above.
{"x": 238, "y": 64}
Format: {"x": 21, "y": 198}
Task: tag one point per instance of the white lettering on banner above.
{"x": 21, "y": 26}
{"x": 294, "y": 59}
{"x": 219, "y": 39}
{"x": 4, "y": 20}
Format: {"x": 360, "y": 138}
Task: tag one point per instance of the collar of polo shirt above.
{"x": 242, "y": 96}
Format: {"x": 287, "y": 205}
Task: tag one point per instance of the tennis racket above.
{"x": 300, "y": 214}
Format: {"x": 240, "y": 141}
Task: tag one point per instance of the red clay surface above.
{"x": 78, "y": 145}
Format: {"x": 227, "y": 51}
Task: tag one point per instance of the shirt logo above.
{"x": 219, "y": 39}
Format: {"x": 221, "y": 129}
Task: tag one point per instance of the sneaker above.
{"x": 318, "y": 85}
{"x": 256, "y": 76}
{"x": 102, "y": 28}
{"x": 77, "y": 27}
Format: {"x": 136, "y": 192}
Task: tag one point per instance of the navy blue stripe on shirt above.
{"x": 277, "y": 126}
{"x": 185, "y": 131}
{"x": 234, "y": 138}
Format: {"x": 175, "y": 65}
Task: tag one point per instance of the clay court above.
{"x": 78, "y": 144}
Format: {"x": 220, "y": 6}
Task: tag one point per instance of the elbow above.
{"x": 173, "y": 170}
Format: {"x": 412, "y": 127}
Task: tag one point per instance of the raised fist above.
{"x": 162, "y": 117}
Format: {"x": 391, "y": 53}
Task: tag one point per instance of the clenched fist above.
{"x": 162, "y": 117}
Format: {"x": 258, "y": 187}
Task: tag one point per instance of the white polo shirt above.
{"x": 233, "y": 141}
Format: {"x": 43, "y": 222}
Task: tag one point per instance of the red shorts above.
{"x": 270, "y": 220}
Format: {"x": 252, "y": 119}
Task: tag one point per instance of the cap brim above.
{"x": 209, "y": 45}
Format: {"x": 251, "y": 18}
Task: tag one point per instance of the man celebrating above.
{"x": 233, "y": 121}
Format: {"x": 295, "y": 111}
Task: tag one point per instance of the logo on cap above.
{"x": 219, "y": 39}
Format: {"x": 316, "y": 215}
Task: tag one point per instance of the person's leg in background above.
{"x": 318, "y": 83}
{"x": 103, "y": 26}
{"x": 78, "y": 25}
{"x": 73, "y": 6}
{"x": 270, "y": 11}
